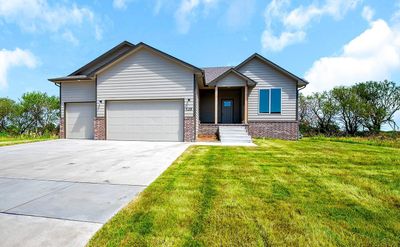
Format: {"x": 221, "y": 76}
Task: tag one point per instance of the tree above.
{"x": 7, "y": 108}
{"x": 51, "y": 114}
{"x": 349, "y": 108}
{"x": 379, "y": 102}
{"x": 323, "y": 111}
{"x": 36, "y": 113}
{"x": 21, "y": 122}
{"x": 305, "y": 115}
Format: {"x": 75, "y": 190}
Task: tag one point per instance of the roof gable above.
{"x": 300, "y": 81}
{"x": 103, "y": 60}
{"x": 154, "y": 50}
{"x": 230, "y": 71}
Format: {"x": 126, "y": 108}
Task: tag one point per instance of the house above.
{"x": 137, "y": 92}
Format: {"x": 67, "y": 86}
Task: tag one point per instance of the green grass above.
{"x": 316, "y": 192}
{"x": 388, "y": 140}
{"x": 13, "y": 140}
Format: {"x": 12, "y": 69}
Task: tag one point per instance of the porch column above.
{"x": 245, "y": 104}
{"x": 216, "y": 106}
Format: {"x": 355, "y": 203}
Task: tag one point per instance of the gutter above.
{"x": 301, "y": 88}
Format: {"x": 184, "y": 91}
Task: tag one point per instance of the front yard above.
{"x": 312, "y": 192}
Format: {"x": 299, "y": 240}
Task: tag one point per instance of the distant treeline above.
{"x": 35, "y": 113}
{"x": 359, "y": 109}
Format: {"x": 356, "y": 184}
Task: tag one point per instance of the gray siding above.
{"x": 77, "y": 92}
{"x": 268, "y": 77}
{"x": 90, "y": 70}
{"x": 231, "y": 80}
{"x": 145, "y": 75}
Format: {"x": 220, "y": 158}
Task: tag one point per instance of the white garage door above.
{"x": 145, "y": 120}
{"x": 79, "y": 120}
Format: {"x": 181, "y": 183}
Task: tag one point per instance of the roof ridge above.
{"x": 102, "y": 56}
{"x": 218, "y": 67}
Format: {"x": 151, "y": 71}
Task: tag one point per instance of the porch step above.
{"x": 231, "y": 134}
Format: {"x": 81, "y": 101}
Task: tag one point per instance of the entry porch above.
{"x": 223, "y": 105}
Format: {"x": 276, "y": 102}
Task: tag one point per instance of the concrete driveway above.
{"x": 59, "y": 193}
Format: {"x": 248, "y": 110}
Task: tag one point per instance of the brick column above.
{"x": 189, "y": 129}
{"x": 99, "y": 128}
{"x": 61, "y": 133}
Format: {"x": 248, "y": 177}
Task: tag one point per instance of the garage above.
{"x": 79, "y": 120}
{"x": 147, "y": 120}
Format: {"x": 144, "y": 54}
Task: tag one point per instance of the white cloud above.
{"x": 239, "y": 13}
{"x": 396, "y": 15}
{"x": 14, "y": 58}
{"x": 157, "y": 7}
{"x": 70, "y": 37}
{"x": 186, "y": 12}
{"x": 274, "y": 43}
{"x": 295, "y": 22}
{"x": 373, "y": 55}
{"x": 183, "y": 14}
{"x": 98, "y": 32}
{"x": 120, "y": 4}
{"x": 40, "y": 16}
{"x": 368, "y": 13}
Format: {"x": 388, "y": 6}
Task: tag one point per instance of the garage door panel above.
{"x": 145, "y": 120}
{"x": 79, "y": 120}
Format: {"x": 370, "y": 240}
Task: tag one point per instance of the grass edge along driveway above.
{"x": 8, "y": 141}
{"x": 310, "y": 192}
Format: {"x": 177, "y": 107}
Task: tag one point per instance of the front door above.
{"x": 227, "y": 111}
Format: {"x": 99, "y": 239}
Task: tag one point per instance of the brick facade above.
{"x": 280, "y": 130}
{"x": 189, "y": 129}
{"x": 208, "y": 129}
{"x": 61, "y": 133}
{"x": 212, "y": 129}
{"x": 99, "y": 128}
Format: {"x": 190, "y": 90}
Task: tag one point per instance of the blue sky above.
{"x": 328, "y": 42}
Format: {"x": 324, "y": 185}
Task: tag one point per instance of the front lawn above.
{"x": 12, "y": 140}
{"x": 316, "y": 192}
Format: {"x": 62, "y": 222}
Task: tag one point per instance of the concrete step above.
{"x": 232, "y": 128}
{"x": 234, "y": 134}
{"x": 232, "y": 131}
{"x": 238, "y": 140}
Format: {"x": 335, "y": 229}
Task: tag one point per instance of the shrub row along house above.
{"x": 136, "y": 92}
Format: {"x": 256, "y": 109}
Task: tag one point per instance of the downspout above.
{"x": 297, "y": 101}
{"x": 59, "y": 93}
{"x": 59, "y": 88}
{"x": 297, "y": 106}
{"x": 194, "y": 106}
{"x": 95, "y": 95}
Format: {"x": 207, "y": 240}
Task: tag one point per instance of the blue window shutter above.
{"x": 276, "y": 100}
{"x": 264, "y": 101}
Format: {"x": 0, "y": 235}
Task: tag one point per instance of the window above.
{"x": 275, "y": 100}
{"x": 270, "y": 100}
{"x": 264, "y": 101}
{"x": 227, "y": 103}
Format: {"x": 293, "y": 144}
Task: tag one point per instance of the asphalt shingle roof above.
{"x": 210, "y": 73}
